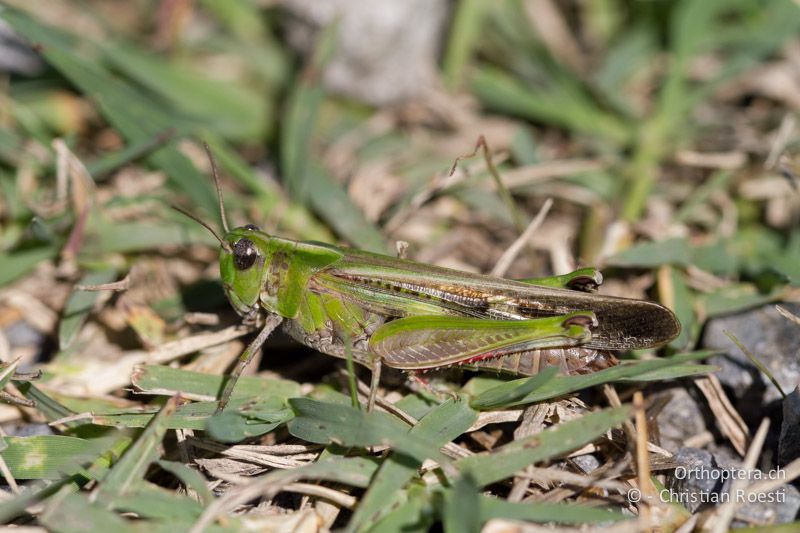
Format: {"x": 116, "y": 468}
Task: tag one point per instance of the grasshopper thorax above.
{"x": 262, "y": 272}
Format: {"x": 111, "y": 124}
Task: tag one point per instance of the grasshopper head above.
{"x": 242, "y": 261}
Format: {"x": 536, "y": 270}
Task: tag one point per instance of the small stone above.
{"x": 386, "y": 51}
{"x": 789, "y": 442}
{"x": 774, "y": 340}
{"x": 20, "y": 333}
{"x": 777, "y": 507}
{"x": 15, "y": 55}
{"x": 692, "y": 490}
{"x": 704, "y": 482}
{"x": 587, "y": 463}
{"x": 680, "y": 419}
{"x": 28, "y": 430}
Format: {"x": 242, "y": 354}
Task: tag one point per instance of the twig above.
{"x": 503, "y": 264}
{"x": 643, "y": 459}
{"x": 785, "y": 313}
{"x": 729, "y": 420}
{"x": 785, "y": 131}
{"x": 724, "y": 513}
{"x": 122, "y": 285}
{"x": 172, "y": 350}
{"x": 532, "y": 174}
{"x": 12, "y": 483}
{"x": 334, "y": 496}
{"x": 495, "y": 417}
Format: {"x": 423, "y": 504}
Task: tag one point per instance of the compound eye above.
{"x": 252, "y": 227}
{"x": 244, "y": 254}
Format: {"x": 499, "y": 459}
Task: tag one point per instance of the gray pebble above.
{"x": 789, "y": 443}
{"x": 386, "y": 51}
{"x": 680, "y": 419}
{"x": 774, "y": 340}
{"x": 703, "y": 481}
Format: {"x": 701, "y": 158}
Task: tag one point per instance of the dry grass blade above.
{"x": 266, "y": 486}
{"x": 782, "y": 137}
{"x": 727, "y": 161}
{"x": 444, "y": 181}
{"x": 172, "y": 350}
{"x": 730, "y": 422}
{"x": 496, "y": 417}
{"x": 334, "y": 496}
{"x": 721, "y": 518}
{"x": 260, "y": 455}
{"x": 7, "y": 476}
{"x": 789, "y": 474}
{"x": 122, "y": 285}
{"x": 536, "y": 173}
{"x": 504, "y": 263}
{"x": 549, "y": 22}
{"x": 643, "y": 461}
{"x": 788, "y": 315}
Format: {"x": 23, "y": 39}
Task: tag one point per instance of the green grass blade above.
{"x": 110, "y": 162}
{"x": 560, "y": 385}
{"x": 6, "y": 372}
{"x": 335, "y": 207}
{"x": 253, "y": 415}
{"x": 49, "y": 456}
{"x": 442, "y": 424}
{"x": 684, "y": 309}
{"x": 79, "y": 305}
{"x": 18, "y": 264}
{"x": 68, "y": 512}
{"x": 561, "y": 513}
{"x": 671, "y": 372}
{"x": 126, "y": 237}
{"x": 462, "y": 509}
{"x": 503, "y": 462}
{"x": 416, "y": 513}
{"x": 51, "y": 408}
{"x": 11, "y": 146}
{"x": 504, "y": 395}
{"x": 191, "y": 479}
{"x": 295, "y": 218}
{"x": 165, "y": 380}
{"x": 135, "y": 116}
{"x": 305, "y": 177}
{"x": 129, "y": 471}
{"x": 153, "y": 502}
{"x": 465, "y": 33}
{"x": 14, "y": 507}
{"x": 352, "y": 471}
{"x": 563, "y": 105}
{"x": 233, "y": 111}
{"x": 325, "y": 423}
{"x": 675, "y": 251}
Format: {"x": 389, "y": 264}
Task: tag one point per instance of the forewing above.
{"x": 409, "y": 286}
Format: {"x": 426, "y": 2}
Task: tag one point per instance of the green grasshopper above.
{"x": 411, "y": 316}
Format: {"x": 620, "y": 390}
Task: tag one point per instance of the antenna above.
{"x": 215, "y": 174}
{"x": 224, "y": 244}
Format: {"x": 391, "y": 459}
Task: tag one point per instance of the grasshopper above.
{"x": 383, "y": 310}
